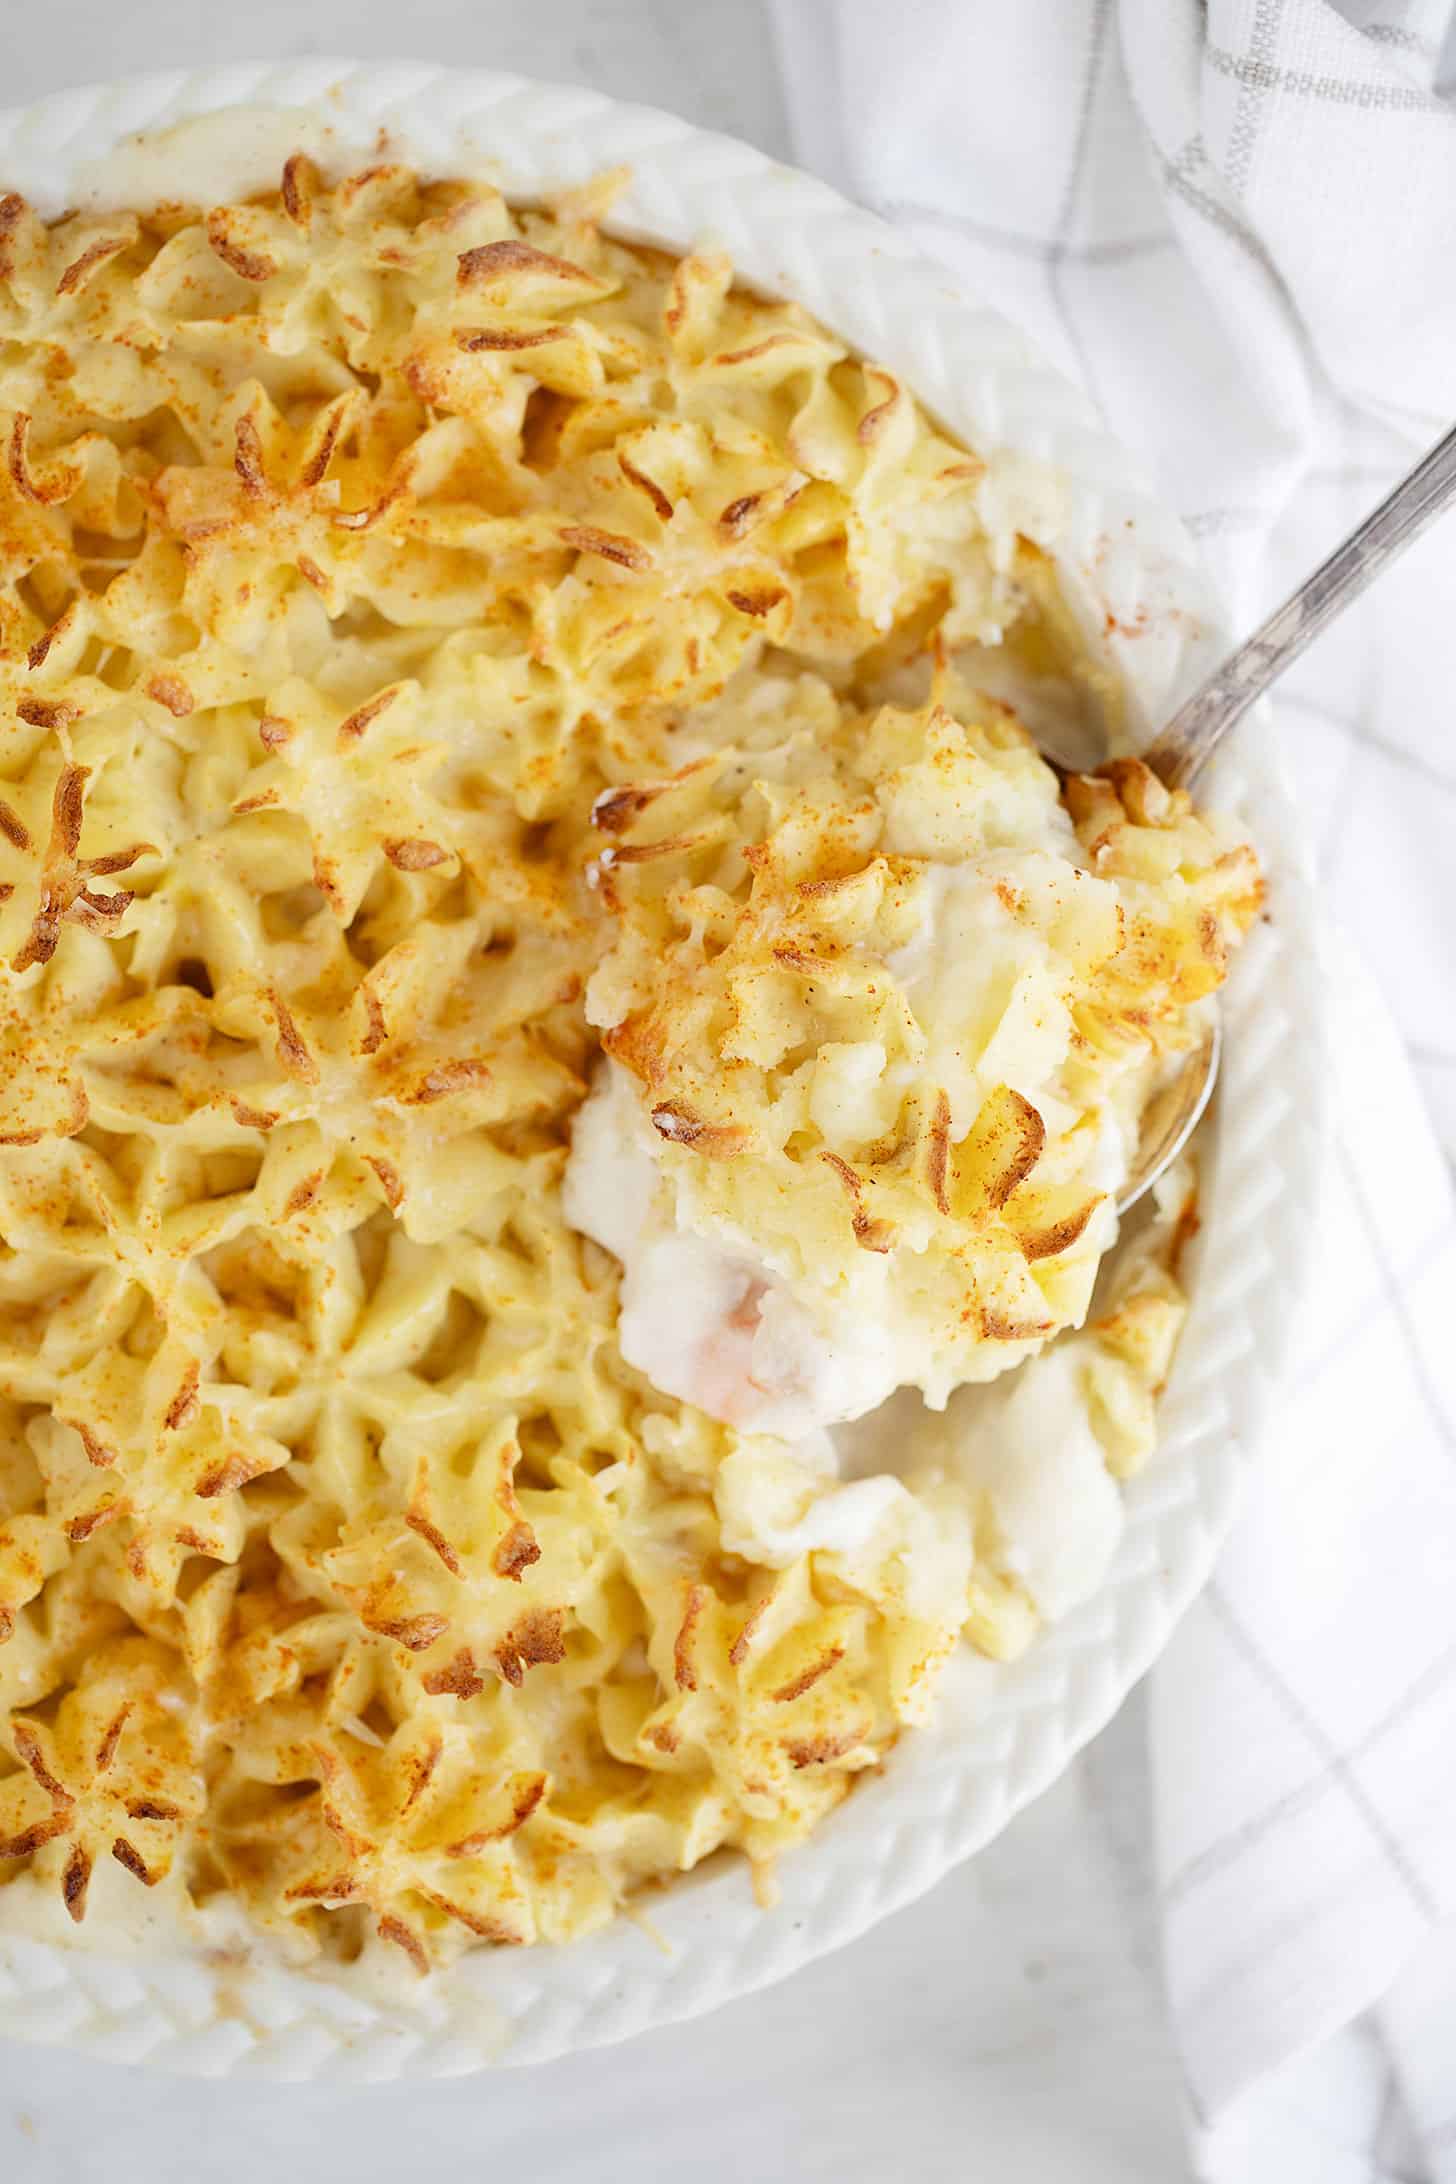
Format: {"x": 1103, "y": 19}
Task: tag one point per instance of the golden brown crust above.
{"x": 435, "y": 1538}
{"x": 662, "y": 506}
{"x": 684, "y": 1666}
{"x": 489, "y": 261}
{"x": 413, "y": 856}
{"x": 12, "y": 209}
{"x": 869, "y": 1234}
{"x": 458, "y": 1679}
{"x": 374, "y": 611}
{"x": 1058, "y": 1236}
{"x": 95, "y": 255}
{"x": 355, "y": 723}
{"x": 516, "y": 1552}
{"x": 298, "y": 188}
{"x": 170, "y": 691}
{"x": 937, "y": 1158}
{"x": 1020, "y": 1139}
{"x": 184, "y": 1404}
{"x": 612, "y": 546}
{"x": 806, "y": 1678}
{"x": 249, "y": 265}
{"x": 75, "y": 1880}
{"x": 820, "y": 1750}
{"x": 507, "y": 339}
{"x": 416, "y": 1633}
{"x": 535, "y": 1640}
{"x": 721, "y": 1140}
{"x": 293, "y": 1053}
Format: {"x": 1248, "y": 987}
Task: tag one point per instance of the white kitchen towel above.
{"x": 1235, "y": 223}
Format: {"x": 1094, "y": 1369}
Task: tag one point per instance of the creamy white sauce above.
{"x": 776, "y": 1503}
{"x": 718, "y": 1329}
{"x": 707, "y": 1320}
{"x": 1027, "y": 1441}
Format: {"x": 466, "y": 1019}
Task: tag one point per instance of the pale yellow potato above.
{"x": 354, "y": 545}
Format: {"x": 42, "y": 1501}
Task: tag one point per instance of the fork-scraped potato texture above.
{"x": 356, "y": 546}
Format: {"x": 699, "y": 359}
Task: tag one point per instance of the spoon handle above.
{"x": 1201, "y": 723}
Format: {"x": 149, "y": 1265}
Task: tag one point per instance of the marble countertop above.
{"x": 1011, "y": 2022}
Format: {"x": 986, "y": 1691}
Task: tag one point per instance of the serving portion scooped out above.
{"x": 504, "y": 750}
{"x": 884, "y": 1010}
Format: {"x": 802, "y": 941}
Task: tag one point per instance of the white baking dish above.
{"x": 999, "y": 1737}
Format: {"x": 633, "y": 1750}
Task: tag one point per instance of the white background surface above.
{"x": 1010, "y": 2024}
{"x": 1007, "y": 2026}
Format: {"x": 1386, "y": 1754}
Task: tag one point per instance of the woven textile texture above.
{"x": 1234, "y": 225}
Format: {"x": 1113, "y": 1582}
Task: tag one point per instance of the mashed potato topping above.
{"x": 883, "y": 1011}
{"x": 439, "y": 643}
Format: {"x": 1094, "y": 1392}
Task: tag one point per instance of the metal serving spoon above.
{"x": 1196, "y": 730}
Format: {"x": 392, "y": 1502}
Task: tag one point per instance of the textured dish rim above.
{"x": 950, "y": 1787}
